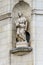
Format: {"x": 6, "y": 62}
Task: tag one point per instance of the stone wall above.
{"x": 6, "y": 6}
{"x": 38, "y": 31}
{"x": 19, "y": 60}
{"x": 6, "y": 31}
{"x": 5, "y": 41}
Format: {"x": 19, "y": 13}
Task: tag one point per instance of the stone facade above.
{"x": 7, "y": 37}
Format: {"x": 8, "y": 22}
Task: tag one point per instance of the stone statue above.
{"x": 21, "y": 29}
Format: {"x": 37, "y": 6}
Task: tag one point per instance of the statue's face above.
{"x": 19, "y": 14}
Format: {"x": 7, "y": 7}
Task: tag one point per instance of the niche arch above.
{"x": 26, "y": 10}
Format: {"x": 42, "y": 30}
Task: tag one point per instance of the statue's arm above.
{"x": 26, "y": 26}
{"x": 22, "y": 25}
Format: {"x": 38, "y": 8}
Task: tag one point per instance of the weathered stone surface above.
{"x": 7, "y": 36}
{"x": 5, "y": 16}
{"x": 21, "y": 44}
{"x": 5, "y": 41}
{"x": 19, "y": 60}
{"x": 36, "y": 26}
{"x": 20, "y": 51}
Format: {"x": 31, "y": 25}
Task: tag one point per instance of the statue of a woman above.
{"x": 21, "y": 27}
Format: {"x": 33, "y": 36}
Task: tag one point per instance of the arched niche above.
{"x": 26, "y": 10}
{"x": 23, "y": 7}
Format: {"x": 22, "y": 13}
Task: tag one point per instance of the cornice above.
{"x": 37, "y": 11}
{"x": 5, "y": 16}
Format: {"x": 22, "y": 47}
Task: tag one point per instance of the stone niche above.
{"x": 20, "y": 48}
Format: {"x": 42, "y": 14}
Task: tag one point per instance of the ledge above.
{"x": 21, "y": 50}
{"x": 5, "y": 16}
{"x": 37, "y": 11}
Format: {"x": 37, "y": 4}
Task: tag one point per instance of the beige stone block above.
{"x": 14, "y": 39}
{"x": 5, "y": 46}
{"x": 21, "y": 44}
{"x": 5, "y": 16}
{"x": 39, "y": 52}
{"x": 1, "y": 29}
{"x": 5, "y": 2}
{"x": 5, "y": 9}
{"x": 7, "y": 28}
{"x": 14, "y": 26}
{"x": 22, "y": 60}
{"x": 5, "y": 22}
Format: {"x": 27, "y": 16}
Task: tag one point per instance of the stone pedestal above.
{"x": 20, "y": 51}
{"x": 22, "y": 44}
{"x": 22, "y": 54}
{"x": 22, "y": 48}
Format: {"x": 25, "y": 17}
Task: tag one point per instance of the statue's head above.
{"x": 20, "y": 14}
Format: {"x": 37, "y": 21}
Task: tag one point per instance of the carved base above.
{"x": 22, "y": 44}
{"x": 21, "y": 50}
